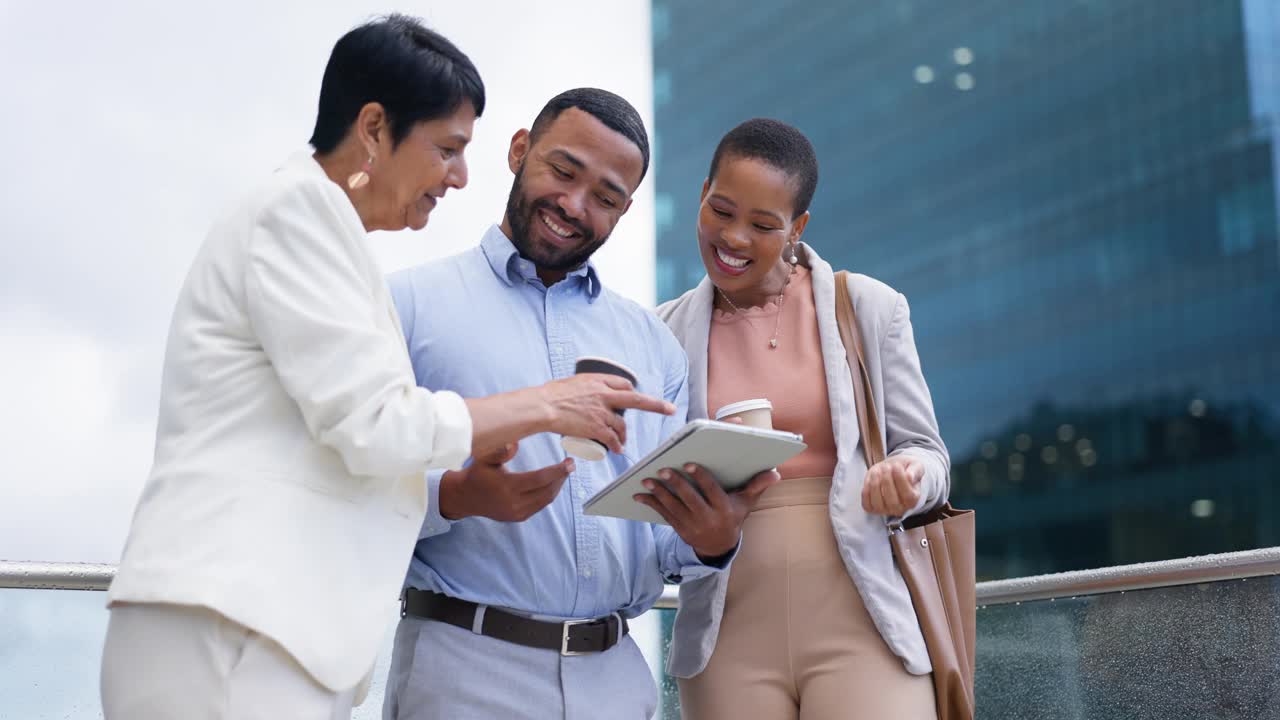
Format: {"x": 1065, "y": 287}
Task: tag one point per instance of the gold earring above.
{"x": 360, "y": 178}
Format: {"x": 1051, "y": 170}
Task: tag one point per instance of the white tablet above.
{"x": 733, "y": 453}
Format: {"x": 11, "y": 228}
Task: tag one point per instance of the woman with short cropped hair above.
{"x": 813, "y": 621}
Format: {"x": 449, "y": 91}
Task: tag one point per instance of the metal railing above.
{"x": 55, "y": 575}
{"x": 1121, "y": 578}
{"x": 1142, "y": 576}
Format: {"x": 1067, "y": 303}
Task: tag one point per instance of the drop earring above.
{"x": 793, "y": 259}
{"x": 360, "y": 178}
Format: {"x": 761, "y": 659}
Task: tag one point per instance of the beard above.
{"x": 522, "y": 214}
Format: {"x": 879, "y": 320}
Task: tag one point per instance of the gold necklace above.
{"x": 782, "y": 297}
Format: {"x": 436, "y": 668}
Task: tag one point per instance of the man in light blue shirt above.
{"x": 506, "y": 553}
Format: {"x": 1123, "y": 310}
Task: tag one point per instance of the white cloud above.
{"x": 128, "y": 126}
{"x": 74, "y": 462}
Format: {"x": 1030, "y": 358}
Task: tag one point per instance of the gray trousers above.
{"x": 441, "y": 672}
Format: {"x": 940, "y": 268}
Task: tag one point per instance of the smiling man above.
{"x": 516, "y": 602}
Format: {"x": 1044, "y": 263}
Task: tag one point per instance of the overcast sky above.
{"x": 128, "y": 127}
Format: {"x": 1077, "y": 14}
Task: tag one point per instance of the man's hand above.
{"x": 588, "y": 406}
{"x": 708, "y": 518}
{"x": 487, "y": 489}
{"x": 892, "y": 486}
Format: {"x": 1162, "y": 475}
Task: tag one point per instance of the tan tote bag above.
{"x": 934, "y": 551}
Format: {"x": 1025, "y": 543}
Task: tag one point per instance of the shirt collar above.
{"x": 511, "y": 268}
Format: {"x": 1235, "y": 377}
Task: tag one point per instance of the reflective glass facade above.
{"x": 1078, "y": 197}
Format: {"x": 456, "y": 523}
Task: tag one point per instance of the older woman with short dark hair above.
{"x": 288, "y": 488}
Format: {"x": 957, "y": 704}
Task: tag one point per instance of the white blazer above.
{"x": 288, "y": 484}
{"x": 909, "y": 426}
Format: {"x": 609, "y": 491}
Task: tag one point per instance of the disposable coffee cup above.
{"x": 757, "y": 413}
{"x": 586, "y": 448}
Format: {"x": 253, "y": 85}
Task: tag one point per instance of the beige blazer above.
{"x": 287, "y": 488}
{"x": 907, "y": 418}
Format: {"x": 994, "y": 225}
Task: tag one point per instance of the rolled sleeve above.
{"x": 434, "y": 523}
{"x": 452, "y": 440}
{"x": 911, "y": 428}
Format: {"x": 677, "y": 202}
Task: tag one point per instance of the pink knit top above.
{"x": 741, "y": 366}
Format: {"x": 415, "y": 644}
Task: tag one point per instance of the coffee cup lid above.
{"x": 610, "y": 361}
{"x": 743, "y": 406}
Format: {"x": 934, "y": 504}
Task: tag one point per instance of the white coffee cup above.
{"x": 756, "y": 413}
{"x": 586, "y": 448}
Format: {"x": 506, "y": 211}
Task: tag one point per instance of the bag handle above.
{"x": 868, "y": 420}
{"x": 863, "y": 398}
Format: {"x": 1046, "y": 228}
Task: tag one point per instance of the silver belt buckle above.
{"x": 564, "y": 637}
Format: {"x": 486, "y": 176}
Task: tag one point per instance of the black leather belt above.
{"x": 571, "y": 637}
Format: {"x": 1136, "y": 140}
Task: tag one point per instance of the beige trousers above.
{"x": 796, "y": 642}
{"x": 175, "y": 662}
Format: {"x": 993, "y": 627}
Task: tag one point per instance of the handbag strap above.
{"x": 868, "y": 420}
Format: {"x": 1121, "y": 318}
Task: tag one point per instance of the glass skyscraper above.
{"x": 1078, "y": 197}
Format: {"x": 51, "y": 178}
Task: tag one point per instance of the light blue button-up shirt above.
{"x": 481, "y": 323}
